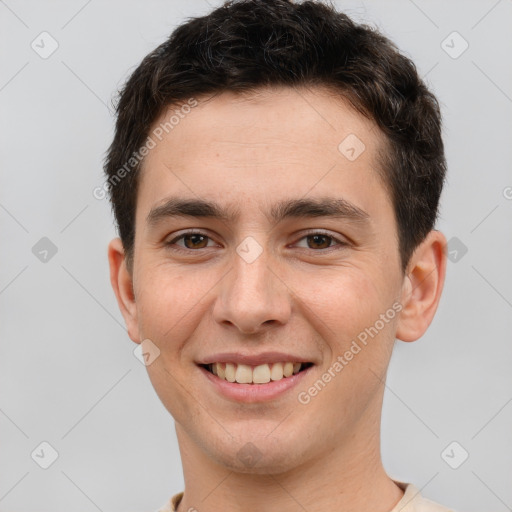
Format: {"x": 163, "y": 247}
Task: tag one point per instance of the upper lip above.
{"x": 253, "y": 359}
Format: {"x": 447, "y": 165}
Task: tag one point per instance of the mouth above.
{"x": 258, "y": 375}
{"x": 254, "y": 384}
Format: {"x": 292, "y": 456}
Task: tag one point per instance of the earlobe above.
{"x": 422, "y": 287}
{"x": 122, "y": 284}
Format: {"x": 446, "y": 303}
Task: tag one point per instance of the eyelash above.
{"x": 171, "y": 243}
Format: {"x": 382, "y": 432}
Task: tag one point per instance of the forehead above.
{"x": 241, "y": 147}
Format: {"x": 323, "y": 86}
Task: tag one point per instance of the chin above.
{"x": 257, "y": 455}
{"x": 264, "y": 464}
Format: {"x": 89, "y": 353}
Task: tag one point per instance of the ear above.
{"x": 122, "y": 284}
{"x": 422, "y": 287}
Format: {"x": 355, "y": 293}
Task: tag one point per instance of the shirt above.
{"x": 412, "y": 501}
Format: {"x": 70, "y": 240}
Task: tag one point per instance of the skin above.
{"x": 300, "y": 296}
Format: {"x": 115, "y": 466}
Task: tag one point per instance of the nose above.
{"x": 253, "y": 295}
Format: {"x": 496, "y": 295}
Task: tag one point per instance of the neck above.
{"x": 347, "y": 477}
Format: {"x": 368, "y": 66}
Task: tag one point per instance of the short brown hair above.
{"x": 247, "y": 44}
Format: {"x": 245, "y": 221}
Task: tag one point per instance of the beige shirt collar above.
{"x": 412, "y": 501}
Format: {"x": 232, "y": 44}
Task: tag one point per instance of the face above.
{"x": 289, "y": 254}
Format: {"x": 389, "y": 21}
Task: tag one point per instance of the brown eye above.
{"x": 195, "y": 241}
{"x": 319, "y": 241}
{"x": 189, "y": 241}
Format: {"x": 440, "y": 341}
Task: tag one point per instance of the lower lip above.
{"x": 249, "y": 393}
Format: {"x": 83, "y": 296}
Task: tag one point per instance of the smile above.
{"x": 241, "y": 382}
{"x": 260, "y": 374}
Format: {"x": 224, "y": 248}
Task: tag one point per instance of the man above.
{"x": 275, "y": 177}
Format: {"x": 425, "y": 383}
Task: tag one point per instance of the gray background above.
{"x": 68, "y": 375}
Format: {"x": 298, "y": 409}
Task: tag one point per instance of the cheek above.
{"x": 345, "y": 299}
{"x": 168, "y": 303}
{"x": 345, "y": 307}
{"x": 358, "y": 340}
{"x": 169, "y": 306}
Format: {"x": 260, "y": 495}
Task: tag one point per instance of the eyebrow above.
{"x": 292, "y": 208}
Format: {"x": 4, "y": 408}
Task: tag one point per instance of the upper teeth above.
{"x": 261, "y": 374}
